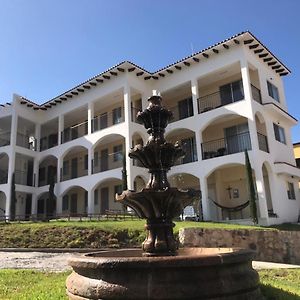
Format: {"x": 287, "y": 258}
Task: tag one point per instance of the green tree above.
{"x": 251, "y": 189}
{"x": 13, "y": 199}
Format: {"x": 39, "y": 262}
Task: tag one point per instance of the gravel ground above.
{"x": 57, "y": 262}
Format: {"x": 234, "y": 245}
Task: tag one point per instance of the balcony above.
{"x": 107, "y": 162}
{"x": 26, "y": 141}
{"x": 48, "y": 142}
{"x": 183, "y": 110}
{"x": 106, "y": 120}
{"x": 24, "y": 178}
{"x": 225, "y": 146}
{"x": 4, "y": 139}
{"x": 74, "y": 132}
{"x": 223, "y": 97}
{"x": 262, "y": 142}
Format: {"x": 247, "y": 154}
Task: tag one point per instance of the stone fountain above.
{"x": 159, "y": 270}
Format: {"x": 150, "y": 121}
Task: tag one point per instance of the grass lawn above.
{"x": 34, "y": 285}
{"x": 87, "y": 234}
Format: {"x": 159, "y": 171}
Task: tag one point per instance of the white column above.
{"x": 253, "y": 134}
{"x": 90, "y": 161}
{"x": 144, "y": 101}
{"x": 91, "y": 202}
{"x": 205, "y": 200}
{"x": 36, "y": 171}
{"x": 90, "y": 116}
{"x": 59, "y": 166}
{"x": 246, "y": 79}
{"x": 261, "y": 193}
{"x": 59, "y": 205}
{"x": 60, "y": 128}
{"x": 37, "y": 136}
{"x": 34, "y": 204}
{"x": 12, "y": 159}
{"x": 263, "y": 85}
{"x": 198, "y": 141}
{"x": 195, "y": 95}
{"x": 128, "y": 136}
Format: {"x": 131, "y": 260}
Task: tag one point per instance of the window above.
{"x": 237, "y": 139}
{"x": 185, "y": 108}
{"x": 232, "y": 92}
{"x": 96, "y": 197}
{"x": 66, "y": 167}
{"x": 42, "y": 174}
{"x": 298, "y": 162}
{"x": 118, "y": 152}
{"x": 117, "y": 115}
{"x": 96, "y": 159}
{"x": 65, "y": 204}
{"x": 189, "y": 147}
{"x": 279, "y": 133}
{"x": 291, "y": 191}
{"x": 273, "y": 91}
{"x": 86, "y": 162}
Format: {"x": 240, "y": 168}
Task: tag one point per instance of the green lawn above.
{"x": 34, "y": 285}
{"x": 87, "y": 234}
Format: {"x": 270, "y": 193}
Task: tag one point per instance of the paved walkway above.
{"x": 57, "y": 262}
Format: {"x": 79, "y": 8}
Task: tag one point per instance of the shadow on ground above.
{"x": 272, "y": 293}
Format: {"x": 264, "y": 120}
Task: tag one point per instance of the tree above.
{"x": 52, "y": 198}
{"x": 251, "y": 189}
{"x": 13, "y": 199}
{"x": 124, "y": 173}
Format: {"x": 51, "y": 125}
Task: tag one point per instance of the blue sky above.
{"x": 49, "y": 46}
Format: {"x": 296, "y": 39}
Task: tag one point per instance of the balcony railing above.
{"x": 109, "y": 162}
{"x": 47, "y": 181}
{"x": 4, "y": 139}
{"x": 106, "y": 120}
{"x": 134, "y": 111}
{"x": 74, "y": 132}
{"x": 26, "y": 141}
{"x": 256, "y": 95}
{"x": 179, "y": 114}
{"x": 24, "y": 178}
{"x": 3, "y": 176}
{"x": 48, "y": 142}
{"x": 263, "y": 142}
{"x": 73, "y": 175}
{"x": 186, "y": 159}
{"x": 225, "y": 146}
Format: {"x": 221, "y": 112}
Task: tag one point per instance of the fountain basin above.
{"x": 195, "y": 273}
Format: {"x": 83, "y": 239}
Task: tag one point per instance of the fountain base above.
{"x": 195, "y": 273}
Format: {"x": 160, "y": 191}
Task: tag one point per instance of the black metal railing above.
{"x": 3, "y": 176}
{"x": 111, "y": 161}
{"x": 186, "y": 159}
{"x": 225, "y": 146}
{"x": 24, "y": 178}
{"x": 262, "y": 142}
{"x": 48, "y": 142}
{"x": 26, "y": 141}
{"x": 180, "y": 114}
{"x": 256, "y": 95}
{"x": 105, "y": 120}
{"x": 74, "y": 132}
{"x": 4, "y": 139}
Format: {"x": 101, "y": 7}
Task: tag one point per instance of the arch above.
{"x": 104, "y": 195}
{"x": 141, "y": 134}
{"x": 68, "y": 189}
{"x": 260, "y": 117}
{"x": 73, "y": 149}
{"x": 47, "y": 157}
{"x": 74, "y": 200}
{"x": 47, "y": 169}
{"x": 137, "y": 138}
{"x": 108, "y": 138}
{"x": 2, "y": 203}
{"x": 45, "y": 207}
{"x": 227, "y": 115}
{"x": 184, "y": 180}
{"x": 177, "y": 132}
{"x": 223, "y": 166}
{"x": 104, "y": 180}
{"x": 4, "y": 160}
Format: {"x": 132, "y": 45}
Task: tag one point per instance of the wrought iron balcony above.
{"x": 179, "y": 114}
{"x": 26, "y": 141}
{"x": 256, "y": 95}
{"x": 111, "y": 161}
{"x": 225, "y": 146}
{"x": 262, "y": 142}
{"x": 4, "y": 139}
{"x": 106, "y": 120}
{"x": 74, "y": 132}
{"x": 48, "y": 142}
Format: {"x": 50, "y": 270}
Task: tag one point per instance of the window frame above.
{"x": 273, "y": 91}
{"x": 279, "y": 133}
{"x": 291, "y": 191}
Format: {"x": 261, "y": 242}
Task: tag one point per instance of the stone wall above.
{"x": 270, "y": 245}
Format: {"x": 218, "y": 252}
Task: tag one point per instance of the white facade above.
{"x": 222, "y": 105}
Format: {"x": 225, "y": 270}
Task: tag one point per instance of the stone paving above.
{"x": 57, "y": 262}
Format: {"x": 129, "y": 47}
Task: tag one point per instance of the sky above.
{"x": 50, "y": 46}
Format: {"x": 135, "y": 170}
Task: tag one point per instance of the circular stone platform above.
{"x": 195, "y": 273}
